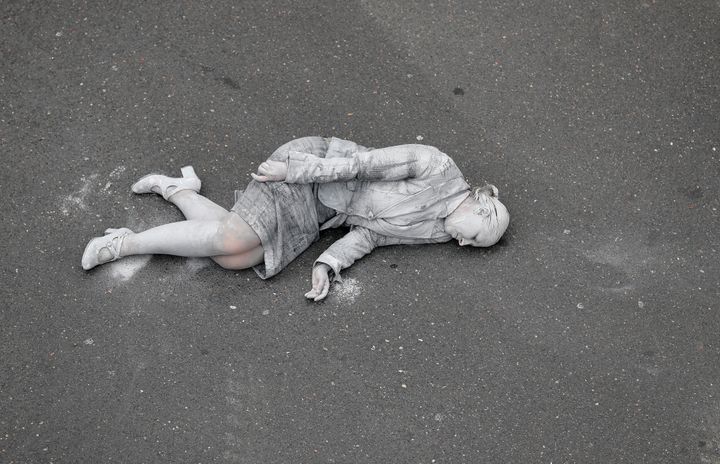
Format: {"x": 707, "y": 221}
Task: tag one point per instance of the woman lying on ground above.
{"x": 408, "y": 194}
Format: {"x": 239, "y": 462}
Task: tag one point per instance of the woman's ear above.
{"x": 487, "y": 189}
{"x": 482, "y": 211}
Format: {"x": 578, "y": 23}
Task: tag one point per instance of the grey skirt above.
{"x": 286, "y": 217}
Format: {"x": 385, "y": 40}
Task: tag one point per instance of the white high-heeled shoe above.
{"x": 101, "y": 250}
{"x": 168, "y": 186}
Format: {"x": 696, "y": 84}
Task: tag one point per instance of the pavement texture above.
{"x": 590, "y": 334}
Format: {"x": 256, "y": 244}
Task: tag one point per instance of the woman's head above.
{"x": 480, "y": 220}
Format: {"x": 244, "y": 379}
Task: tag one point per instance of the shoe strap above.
{"x": 114, "y": 245}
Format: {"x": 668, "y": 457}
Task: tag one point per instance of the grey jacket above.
{"x": 389, "y": 196}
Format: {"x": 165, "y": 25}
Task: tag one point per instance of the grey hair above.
{"x": 481, "y": 194}
{"x": 487, "y": 197}
{"x": 487, "y": 189}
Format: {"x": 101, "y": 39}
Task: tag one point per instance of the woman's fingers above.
{"x": 315, "y": 287}
{"x": 314, "y": 293}
{"x": 325, "y": 289}
{"x": 320, "y": 283}
{"x": 271, "y": 171}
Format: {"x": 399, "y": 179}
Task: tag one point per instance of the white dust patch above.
{"x": 115, "y": 174}
{"x": 347, "y": 290}
{"x": 196, "y": 264}
{"x": 125, "y": 268}
{"x": 76, "y": 200}
{"x": 630, "y": 257}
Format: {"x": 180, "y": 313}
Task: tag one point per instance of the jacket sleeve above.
{"x": 385, "y": 164}
{"x": 353, "y": 246}
{"x": 359, "y": 242}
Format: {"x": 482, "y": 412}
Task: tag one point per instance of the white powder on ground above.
{"x": 115, "y": 174}
{"x": 76, "y": 200}
{"x": 347, "y": 290}
{"x": 196, "y": 264}
{"x": 125, "y": 268}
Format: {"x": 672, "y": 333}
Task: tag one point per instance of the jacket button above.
{"x": 350, "y": 211}
{"x": 371, "y": 215}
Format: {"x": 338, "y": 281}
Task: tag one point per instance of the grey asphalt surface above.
{"x": 590, "y": 334}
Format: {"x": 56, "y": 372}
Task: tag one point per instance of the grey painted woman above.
{"x": 407, "y": 194}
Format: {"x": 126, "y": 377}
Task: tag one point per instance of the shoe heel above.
{"x": 188, "y": 171}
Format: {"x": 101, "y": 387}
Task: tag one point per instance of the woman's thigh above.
{"x": 237, "y": 236}
{"x": 244, "y": 260}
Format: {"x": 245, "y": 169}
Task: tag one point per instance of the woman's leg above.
{"x": 185, "y": 238}
{"x": 181, "y": 191}
{"x": 210, "y": 231}
{"x": 195, "y": 206}
{"x": 227, "y": 237}
{"x": 230, "y": 241}
{"x": 237, "y": 235}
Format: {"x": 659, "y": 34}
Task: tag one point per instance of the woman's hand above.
{"x": 271, "y": 171}
{"x": 320, "y": 282}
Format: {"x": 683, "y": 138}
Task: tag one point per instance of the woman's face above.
{"x": 479, "y": 223}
